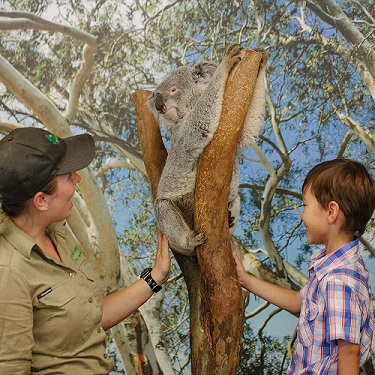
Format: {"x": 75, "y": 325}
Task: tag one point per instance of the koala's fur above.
{"x": 188, "y": 102}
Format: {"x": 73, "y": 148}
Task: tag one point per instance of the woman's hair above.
{"x": 350, "y": 185}
{"x": 15, "y": 209}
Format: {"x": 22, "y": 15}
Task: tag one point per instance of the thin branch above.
{"x": 278, "y": 190}
{"x": 258, "y": 310}
{"x": 368, "y": 245}
{"x": 268, "y": 318}
{"x": 28, "y": 20}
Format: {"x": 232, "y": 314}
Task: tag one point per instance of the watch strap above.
{"x": 146, "y": 276}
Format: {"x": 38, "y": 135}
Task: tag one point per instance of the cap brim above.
{"x": 80, "y": 151}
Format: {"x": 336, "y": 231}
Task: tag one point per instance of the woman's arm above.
{"x": 286, "y": 299}
{"x": 16, "y": 323}
{"x": 119, "y": 305}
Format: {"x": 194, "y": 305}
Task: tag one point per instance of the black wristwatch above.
{"x": 146, "y": 276}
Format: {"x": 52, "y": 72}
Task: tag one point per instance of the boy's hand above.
{"x": 241, "y": 272}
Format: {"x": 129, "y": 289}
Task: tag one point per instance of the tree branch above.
{"x": 332, "y": 14}
{"x": 26, "y": 20}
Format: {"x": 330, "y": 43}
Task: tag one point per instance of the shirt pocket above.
{"x": 58, "y": 296}
{"x": 307, "y": 323}
{"x": 86, "y": 269}
{"x": 55, "y": 320}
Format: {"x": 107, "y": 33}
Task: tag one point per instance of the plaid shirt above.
{"x": 336, "y": 304}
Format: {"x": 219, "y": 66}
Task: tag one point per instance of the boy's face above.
{"x": 314, "y": 218}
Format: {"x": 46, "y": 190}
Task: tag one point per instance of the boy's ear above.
{"x": 333, "y": 212}
{"x": 40, "y": 202}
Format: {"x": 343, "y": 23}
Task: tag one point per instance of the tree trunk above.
{"x": 154, "y": 157}
{"x": 222, "y": 299}
{"x": 215, "y": 296}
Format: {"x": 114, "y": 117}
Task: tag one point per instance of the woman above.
{"x": 52, "y": 315}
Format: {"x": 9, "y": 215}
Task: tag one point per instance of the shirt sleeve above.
{"x": 343, "y": 312}
{"x": 16, "y": 322}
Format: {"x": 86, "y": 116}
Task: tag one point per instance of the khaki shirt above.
{"x": 50, "y": 311}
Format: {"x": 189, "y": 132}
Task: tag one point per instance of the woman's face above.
{"x": 60, "y": 204}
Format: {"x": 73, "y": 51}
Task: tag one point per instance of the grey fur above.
{"x": 188, "y": 102}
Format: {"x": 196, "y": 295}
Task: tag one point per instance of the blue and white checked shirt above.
{"x": 336, "y": 304}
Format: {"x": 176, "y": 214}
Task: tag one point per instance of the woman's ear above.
{"x": 333, "y": 212}
{"x": 40, "y": 201}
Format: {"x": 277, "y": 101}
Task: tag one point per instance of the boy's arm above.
{"x": 284, "y": 298}
{"x": 348, "y": 362}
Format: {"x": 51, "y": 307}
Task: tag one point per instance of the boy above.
{"x": 336, "y": 320}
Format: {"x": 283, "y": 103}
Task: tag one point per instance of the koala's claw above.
{"x": 231, "y": 47}
{"x": 197, "y": 238}
{"x": 264, "y": 56}
{"x": 232, "y": 55}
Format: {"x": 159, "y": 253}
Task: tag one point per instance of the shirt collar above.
{"x": 22, "y": 242}
{"x": 16, "y": 237}
{"x": 323, "y": 263}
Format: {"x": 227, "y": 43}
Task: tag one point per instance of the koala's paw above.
{"x": 196, "y": 238}
{"x": 232, "y": 56}
{"x": 186, "y": 244}
{"x": 264, "y": 56}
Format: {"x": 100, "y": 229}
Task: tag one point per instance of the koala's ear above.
{"x": 203, "y": 72}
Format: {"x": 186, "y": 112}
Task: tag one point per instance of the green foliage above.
{"x": 262, "y": 355}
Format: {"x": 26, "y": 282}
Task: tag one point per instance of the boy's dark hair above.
{"x": 350, "y": 185}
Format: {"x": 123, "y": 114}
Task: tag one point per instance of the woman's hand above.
{"x": 162, "y": 265}
{"x": 119, "y": 305}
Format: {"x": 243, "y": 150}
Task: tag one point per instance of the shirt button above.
{"x": 72, "y": 274}
{"x": 90, "y": 299}
{"x": 99, "y": 329}
{"x": 105, "y": 355}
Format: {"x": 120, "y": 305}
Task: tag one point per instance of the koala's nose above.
{"x": 159, "y": 102}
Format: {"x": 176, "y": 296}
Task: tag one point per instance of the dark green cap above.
{"x": 31, "y": 157}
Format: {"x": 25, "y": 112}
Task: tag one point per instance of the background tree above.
{"x": 320, "y": 105}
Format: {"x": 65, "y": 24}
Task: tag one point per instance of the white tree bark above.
{"x": 90, "y": 222}
{"x": 275, "y": 176}
{"x": 330, "y": 12}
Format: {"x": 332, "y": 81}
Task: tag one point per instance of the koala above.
{"x": 188, "y": 102}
